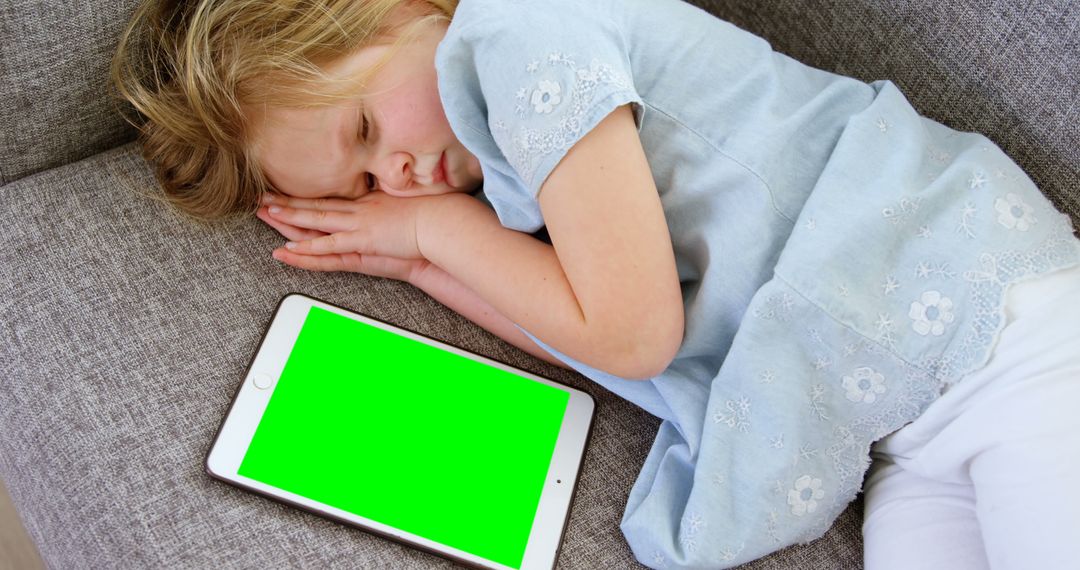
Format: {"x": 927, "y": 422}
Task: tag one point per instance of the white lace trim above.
{"x": 987, "y": 286}
{"x": 528, "y": 146}
{"x": 925, "y": 381}
{"x": 904, "y": 399}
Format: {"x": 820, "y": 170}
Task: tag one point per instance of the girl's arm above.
{"x": 606, "y": 293}
{"x": 449, "y": 291}
{"x": 420, "y": 273}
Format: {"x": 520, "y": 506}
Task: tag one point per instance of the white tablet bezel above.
{"x": 242, "y": 419}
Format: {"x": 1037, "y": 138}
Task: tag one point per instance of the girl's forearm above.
{"x": 517, "y": 274}
{"x": 450, "y": 291}
{"x": 522, "y": 279}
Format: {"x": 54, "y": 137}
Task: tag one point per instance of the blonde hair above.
{"x": 195, "y": 69}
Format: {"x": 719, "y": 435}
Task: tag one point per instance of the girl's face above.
{"x": 397, "y": 139}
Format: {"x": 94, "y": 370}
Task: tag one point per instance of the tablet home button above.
{"x": 262, "y": 381}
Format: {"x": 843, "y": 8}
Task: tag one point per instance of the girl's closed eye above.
{"x": 363, "y": 128}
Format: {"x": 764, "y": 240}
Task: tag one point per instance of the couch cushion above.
{"x": 127, "y": 329}
{"x": 53, "y": 74}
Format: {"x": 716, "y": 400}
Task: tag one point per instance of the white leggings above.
{"x": 989, "y": 475}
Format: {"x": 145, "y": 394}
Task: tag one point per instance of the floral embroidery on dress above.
{"x": 989, "y": 271}
{"x": 904, "y": 210}
{"x": 1014, "y": 213}
{"x": 546, "y": 96}
{"x": 691, "y": 524}
{"x": 885, "y": 327}
{"x": 806, "y": 453}
{"x": 737, "y": 416}
{"x": 565, "y": 98}
{"x": 986, "y": 284}
{"x": 977, "y": 180}
{"x": 817, "y": 402}
{"x": 557, "y": 58}
{"x": 967, "y": 216}
{"x": 864, "y": 385}
{"x": 890, "y": 285}
{"x": 772, "y": 525}
{"x": 776, "y": 307}
{"x": 727, "y": 554}
{"x": 804, "y": 497}
{"x": 928, "y": 269}
{"x": 883, "y": 323}
{"x": 931, "y": 313}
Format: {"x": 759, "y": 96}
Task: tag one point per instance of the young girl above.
{"x": 783, "y": 264}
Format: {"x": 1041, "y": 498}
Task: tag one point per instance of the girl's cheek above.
{"x": 413, "y": 114}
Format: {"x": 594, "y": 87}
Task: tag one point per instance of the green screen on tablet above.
{"x": 409, "y": 435}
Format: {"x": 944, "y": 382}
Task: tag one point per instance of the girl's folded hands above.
{"x": 374, "y": 234}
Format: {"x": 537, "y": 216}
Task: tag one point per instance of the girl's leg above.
{"x": 1027, "y": 479}
{"x": 914, "y": 522}
{"x": 1004, "y": 444}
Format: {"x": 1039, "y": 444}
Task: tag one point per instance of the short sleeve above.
{"x": 522, "y": 82}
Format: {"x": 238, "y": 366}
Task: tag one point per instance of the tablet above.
{"x": 422, "y": 442}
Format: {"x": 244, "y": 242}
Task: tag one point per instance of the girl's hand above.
{"x": 374, "y": 224}
{"x": 375, "y": 265}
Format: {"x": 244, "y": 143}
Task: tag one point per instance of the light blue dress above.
{"x": 843, "y": 260}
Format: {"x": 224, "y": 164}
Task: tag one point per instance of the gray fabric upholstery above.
{"x": 53, "y": 73}
{"x": 128, "y": 330}
{"x": 126, "y": 327}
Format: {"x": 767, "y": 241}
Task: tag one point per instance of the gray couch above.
{"x": 125, "y": 327}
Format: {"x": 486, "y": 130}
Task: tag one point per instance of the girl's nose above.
{"x": 396, "y": 171}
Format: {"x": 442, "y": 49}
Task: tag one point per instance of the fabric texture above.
{"x": 986, "y": 478}
{"x": 54, "y": 68}
{"x": 872, "y": 246}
